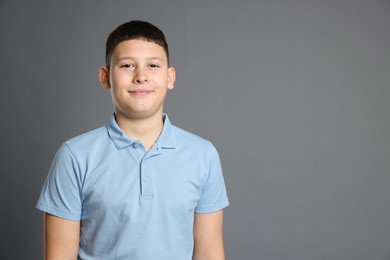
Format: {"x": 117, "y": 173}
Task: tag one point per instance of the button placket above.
{"x": 146, "y": 181}
{"x": 146, "y": 173}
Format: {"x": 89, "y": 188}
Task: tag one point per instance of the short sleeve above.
{"x": 214, "y": 196}
{"x": 61, "y": 192}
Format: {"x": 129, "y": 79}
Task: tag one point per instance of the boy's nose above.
{"x": 140, "y": 77}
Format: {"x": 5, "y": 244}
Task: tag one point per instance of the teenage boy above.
{"x": 138, "y": 188}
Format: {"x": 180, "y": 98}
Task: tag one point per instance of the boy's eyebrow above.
{"x": 132, "y": 58}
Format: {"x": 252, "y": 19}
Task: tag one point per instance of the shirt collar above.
{"x": 166, "y": 140}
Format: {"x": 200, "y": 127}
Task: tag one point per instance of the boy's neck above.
{"x": 146, "y": 130}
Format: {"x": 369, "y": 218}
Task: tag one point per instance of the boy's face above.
{"x": 139, "y": 79}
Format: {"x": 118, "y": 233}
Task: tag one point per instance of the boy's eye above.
{"x": 154, "y": 66}
{"x": 126, "y": 66}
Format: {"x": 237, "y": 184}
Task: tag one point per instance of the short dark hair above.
{"x": 135, "y": 30}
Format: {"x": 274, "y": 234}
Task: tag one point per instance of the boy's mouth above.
{"x": 140, "y": 92}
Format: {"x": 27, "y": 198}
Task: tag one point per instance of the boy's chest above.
{"x": 132, "y": 186}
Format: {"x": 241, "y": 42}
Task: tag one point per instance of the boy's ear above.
{"x": 104, "y": 77}
{"x": 171, "y": 77}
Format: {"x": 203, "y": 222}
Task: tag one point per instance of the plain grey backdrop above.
{"x": 295, "y": 94}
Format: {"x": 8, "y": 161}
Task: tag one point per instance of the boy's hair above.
{"x": 135, "y": 30}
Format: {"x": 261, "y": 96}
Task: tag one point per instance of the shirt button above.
{"x": 135, "y": 145}
{"x": 146, "y": 180}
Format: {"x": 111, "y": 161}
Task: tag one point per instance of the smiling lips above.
{"x": 140, "y": 92}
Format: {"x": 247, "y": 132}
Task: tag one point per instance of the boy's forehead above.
{"x": 139, "y": 46}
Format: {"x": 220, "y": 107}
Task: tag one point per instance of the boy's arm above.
{"x": 208, "y": 239}
{"x": 61, "y": 238}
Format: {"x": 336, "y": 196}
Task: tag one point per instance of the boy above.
{"x": 138, "y": 188}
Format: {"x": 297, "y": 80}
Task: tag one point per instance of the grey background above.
{"x": 294, "y": 94}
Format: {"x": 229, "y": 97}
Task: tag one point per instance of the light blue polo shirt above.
{"x": 132, "y": 204}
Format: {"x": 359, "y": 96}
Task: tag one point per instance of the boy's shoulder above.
{"x": 183, "y": 134}
{"x": 190, "y": 139}
{"x": 88, "y": 138}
